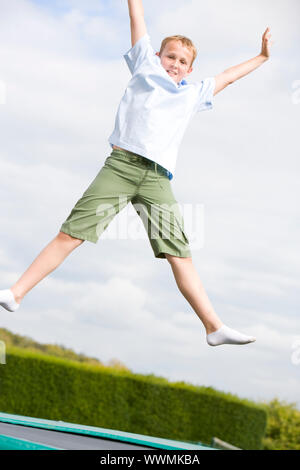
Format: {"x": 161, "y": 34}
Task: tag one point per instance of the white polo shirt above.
{"x": 154, "y": 111}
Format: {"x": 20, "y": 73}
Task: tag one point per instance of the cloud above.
{"x": 64, "y": 72}
{"x": 230, "y": 26}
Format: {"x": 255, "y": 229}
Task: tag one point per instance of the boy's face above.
{"x": 176, "y": 59}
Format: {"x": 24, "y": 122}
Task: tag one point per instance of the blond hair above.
{"x": 185, "y": 42}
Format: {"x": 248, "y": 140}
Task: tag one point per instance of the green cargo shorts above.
{"x": 127, "y": 177}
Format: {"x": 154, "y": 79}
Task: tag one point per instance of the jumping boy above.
{"x": 151, "y": 119}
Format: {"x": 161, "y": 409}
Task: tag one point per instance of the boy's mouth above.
{"x": 170, "y": 72}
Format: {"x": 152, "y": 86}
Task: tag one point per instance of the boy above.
{"x": 152, "y": 117}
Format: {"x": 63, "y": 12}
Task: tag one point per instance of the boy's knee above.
{"x": 68, "y": 238}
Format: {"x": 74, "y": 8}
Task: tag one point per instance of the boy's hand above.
{"x": 137, "y": 20}
{"x": 238, "y": 71}
{"x": 266, "y": 43}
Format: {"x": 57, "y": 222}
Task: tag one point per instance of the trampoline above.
{"x": 27, "y": 433}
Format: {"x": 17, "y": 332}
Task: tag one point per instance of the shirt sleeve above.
{"x": 206, "y": 94}
{"x": 138, "y": 53}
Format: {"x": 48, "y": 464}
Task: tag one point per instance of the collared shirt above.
{"x": 155, "y": 110}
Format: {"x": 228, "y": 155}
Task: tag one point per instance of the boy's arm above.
{"x": 137, "y": 21}
{"x": 238, "y": 71}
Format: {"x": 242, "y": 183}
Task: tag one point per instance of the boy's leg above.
{"x": 109, "y": 192}
{"x": 46, "y": 262}
{"x": 157, "y": 206}
{"x": 191, "y": 287}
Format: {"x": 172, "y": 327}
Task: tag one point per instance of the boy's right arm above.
{"x": 137, "y": 21}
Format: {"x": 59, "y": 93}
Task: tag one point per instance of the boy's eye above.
{"x": 172, "y": 57}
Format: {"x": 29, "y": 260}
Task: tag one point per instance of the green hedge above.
{"x": 283, "y": 428}
{"x": 37, "y": 385}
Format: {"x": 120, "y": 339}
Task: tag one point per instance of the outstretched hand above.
{"x": 266, "y": 43}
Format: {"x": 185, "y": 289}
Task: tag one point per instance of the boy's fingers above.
{"x": 266, "y": 31}
{"x": 267, "y": 37}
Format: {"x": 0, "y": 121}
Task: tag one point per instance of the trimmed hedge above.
{"x": 37, "y": 385}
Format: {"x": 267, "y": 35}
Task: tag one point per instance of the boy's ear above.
{"x": 157, "y": 53}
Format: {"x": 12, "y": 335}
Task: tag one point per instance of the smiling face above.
{"x": 176, "y": 59}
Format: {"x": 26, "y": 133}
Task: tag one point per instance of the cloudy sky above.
{"x": 62, "y": 75}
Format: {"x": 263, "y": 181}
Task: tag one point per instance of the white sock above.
{"x": 7, "y": 300}
{"x": 226, "y": 335}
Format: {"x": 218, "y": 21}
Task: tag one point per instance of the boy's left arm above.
{"x": 238, "y": 71}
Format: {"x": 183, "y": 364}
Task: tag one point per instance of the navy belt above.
{"x": 150, "y": 164}
{"x": 158, "y": 168}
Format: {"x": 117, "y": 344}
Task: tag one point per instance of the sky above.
{"x": 62, "y": 75}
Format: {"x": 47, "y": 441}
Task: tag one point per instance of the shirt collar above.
{"x": 183, "y": 82}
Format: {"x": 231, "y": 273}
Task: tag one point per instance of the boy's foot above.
{"x": 226, "y": 335}
{"x": 7, "y": 300}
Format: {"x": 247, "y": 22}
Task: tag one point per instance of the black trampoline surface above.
{"x": 65, "y": 440}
